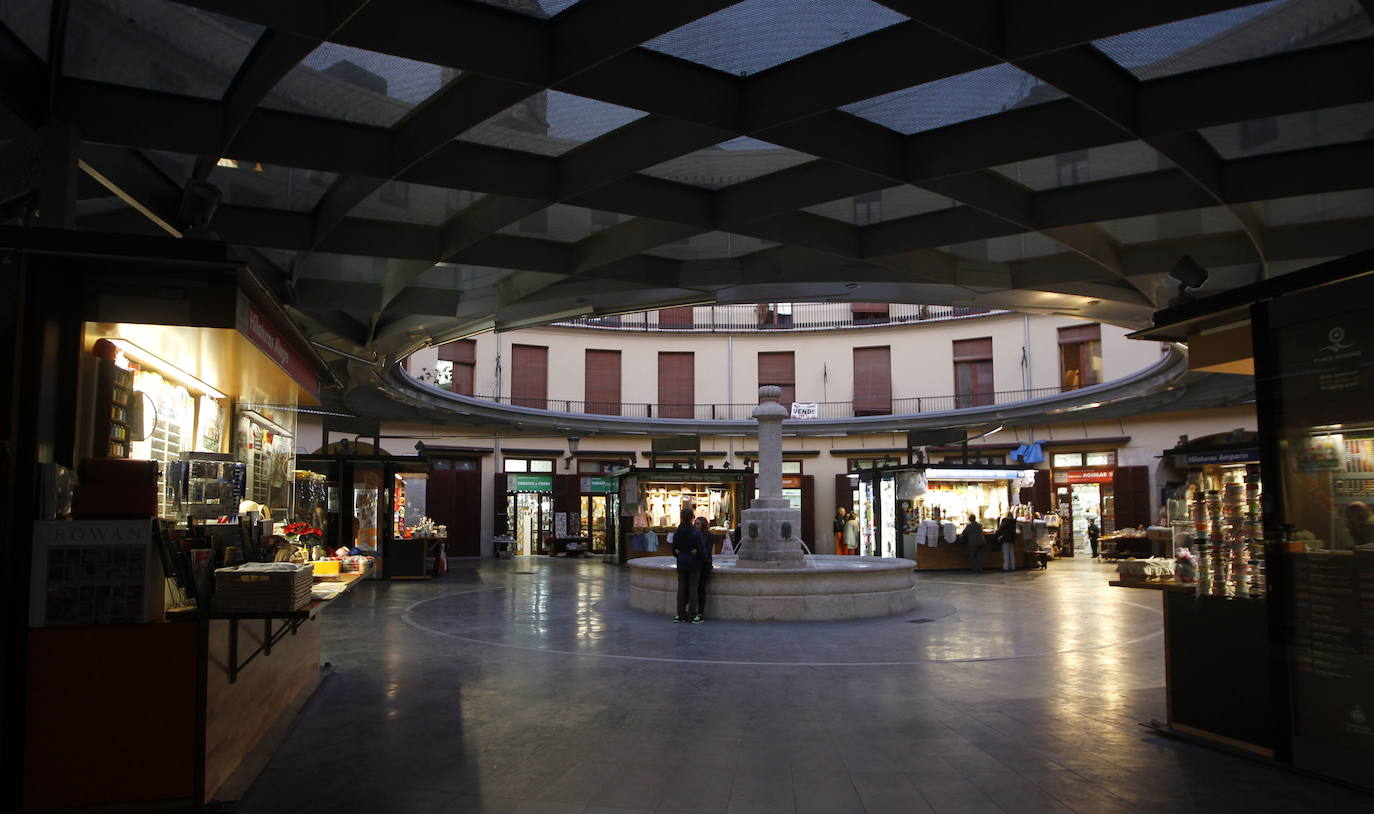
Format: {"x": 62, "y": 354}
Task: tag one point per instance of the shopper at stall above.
{"x": 1093, "y": 533}
{"x": 972, "y": 535}
{"x": 1006, "y": 536}
{"x": 851, "y": 534}
{"x": 839, "y": 530}
{"x": 687, "y": 552}
{"x": 704, "y": 541}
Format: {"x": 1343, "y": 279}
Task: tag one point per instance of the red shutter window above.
{"x": 602, "y": 383}
{"x": 973, "y": 373}
{"x": 677, "y": 385}
{"x": 463, "y": 355}
{"x": 1080, "y": 356}
{"x": 873, "y": 381}
{"x": 529, "y": 378}
{"x": 868, "y": 311}
{"x": 675, "y": 317}
{"x": 779, "y": 368}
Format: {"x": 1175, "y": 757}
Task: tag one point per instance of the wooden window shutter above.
{"x": 971, "y": 350}
{"x": 873, "y": 381}
{"x": 1131, "y": 487}
{"x": 676, "y": 385}
{"x": 675, "y": 317}
{"x": 463, "y": 355}
{"x": 602, "y": 382}
{"x": 779, "y": 368}
{"x": 529, "y": 379}
{"x": 1080, "y": 333}
{"x": 463, "y": 350}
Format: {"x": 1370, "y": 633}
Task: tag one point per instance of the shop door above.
{"x": 370, "y": 498}
{"x": 1085, "y": 502}
{"x": 531, "y": 516}
{"x": 455, "y": 500}
{"x": 595, "y": 521}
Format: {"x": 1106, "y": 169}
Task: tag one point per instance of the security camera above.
{"x": 1188, "y": 273}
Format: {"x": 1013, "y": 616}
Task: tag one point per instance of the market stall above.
{"x": 651, "y": 499}
{"x": 178, "y": 380}
{"x": 917, "y": 511}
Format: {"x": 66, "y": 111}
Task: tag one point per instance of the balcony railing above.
{"x": 741, "y": 412}
{"x": 780, "y": 316}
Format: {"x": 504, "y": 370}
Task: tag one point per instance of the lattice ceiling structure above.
{"x": 411, "y": 171}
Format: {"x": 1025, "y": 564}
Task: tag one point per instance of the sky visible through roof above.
{"x": 758, "y": 34}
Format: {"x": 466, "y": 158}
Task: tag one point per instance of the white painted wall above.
{"x": 922, "y": 357}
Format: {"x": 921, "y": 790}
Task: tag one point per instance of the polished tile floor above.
{"x": 534, "y": 687}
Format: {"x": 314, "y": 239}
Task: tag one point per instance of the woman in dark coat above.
{"x": 687, "y": 552}
{"x": 1006, "y": 535}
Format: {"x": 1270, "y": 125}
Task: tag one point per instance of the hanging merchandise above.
{"x": 911, "y": 485}
{"x": 1031, "y": 453}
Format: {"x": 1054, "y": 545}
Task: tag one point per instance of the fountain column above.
{"x": 768, "y": 537}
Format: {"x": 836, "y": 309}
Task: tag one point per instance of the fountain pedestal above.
{"x": 770, "y": 525}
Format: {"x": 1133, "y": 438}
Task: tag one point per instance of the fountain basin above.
{"x": 835, "y": 587}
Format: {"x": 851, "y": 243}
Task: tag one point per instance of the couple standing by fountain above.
{"x": 692, "y": 550}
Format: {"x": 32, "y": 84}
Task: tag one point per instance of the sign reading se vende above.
{"x": 805, "y": 411}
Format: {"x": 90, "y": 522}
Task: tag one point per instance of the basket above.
{"x": 254, "y": 591}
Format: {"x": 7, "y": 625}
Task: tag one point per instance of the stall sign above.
{"x": 255, "y": 326}
{"x": 806, "y": 411}
{"x": 973, "y": 474}
{"x": 599, "y": 484}
{"x": 529, "y": 483}
{"x": 1091, "y": 476}
{"x": 1230, "y": 456}
{"x": 791, "y": 481}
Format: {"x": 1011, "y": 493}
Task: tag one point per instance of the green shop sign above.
{"x": 599, "y": 484}
{"x": 529, "y": 483}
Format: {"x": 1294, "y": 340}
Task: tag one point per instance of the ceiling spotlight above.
{"x": 851, "y": 286}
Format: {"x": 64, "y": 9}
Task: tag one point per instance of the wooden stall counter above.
{"x": 192, "y": 707}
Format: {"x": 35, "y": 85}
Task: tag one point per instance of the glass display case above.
{"x": 1314, "y": 367}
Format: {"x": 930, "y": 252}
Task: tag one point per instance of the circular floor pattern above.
{"x": 581, "y": 610}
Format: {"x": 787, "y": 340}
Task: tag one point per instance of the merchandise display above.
{"x": 659, "y": 495}
{"x": 1228, "y": 543}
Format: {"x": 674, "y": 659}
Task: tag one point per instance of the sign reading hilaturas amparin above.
{"x": 255, "y": 326}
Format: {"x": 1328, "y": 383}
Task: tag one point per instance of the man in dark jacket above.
{"x": 1093, "y": 533}
{"x": 973, "y": 535}
{"x": 1006, "y": 537}
{"x": 687, "y": 552}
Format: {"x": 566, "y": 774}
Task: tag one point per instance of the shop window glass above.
{"x": 516, "y": 465}
{"x": 1068, "y": 459}
{"x": 1101, "y": 458}
{"x": 541, "y": 466}
{"x": 788, "y": 467}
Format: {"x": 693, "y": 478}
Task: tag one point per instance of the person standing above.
{"x": 1006, "y": 535}
{"x": 687, "y": 553}
{"x": 704, "y": 541}
{"x": 839, "y": 530}
{"x": 851, "y": 534}
{"x": 1093, "y": 533}
{"x": 973, "y": 536}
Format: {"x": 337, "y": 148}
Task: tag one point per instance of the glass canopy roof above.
{"x": 635, "y": 139}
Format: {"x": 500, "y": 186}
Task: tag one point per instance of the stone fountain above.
{"x": 773, "y": 578}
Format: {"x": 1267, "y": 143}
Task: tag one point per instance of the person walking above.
{"x": 1006, "y": 535}
{"x": 687, "y": 552}
{"x": 704, "y": 541}
{"x": 973, "y": 536}
{"x": 1093, "y": 533}
{"x": 851, "y": 534}
{"x": 839, "y": 530}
